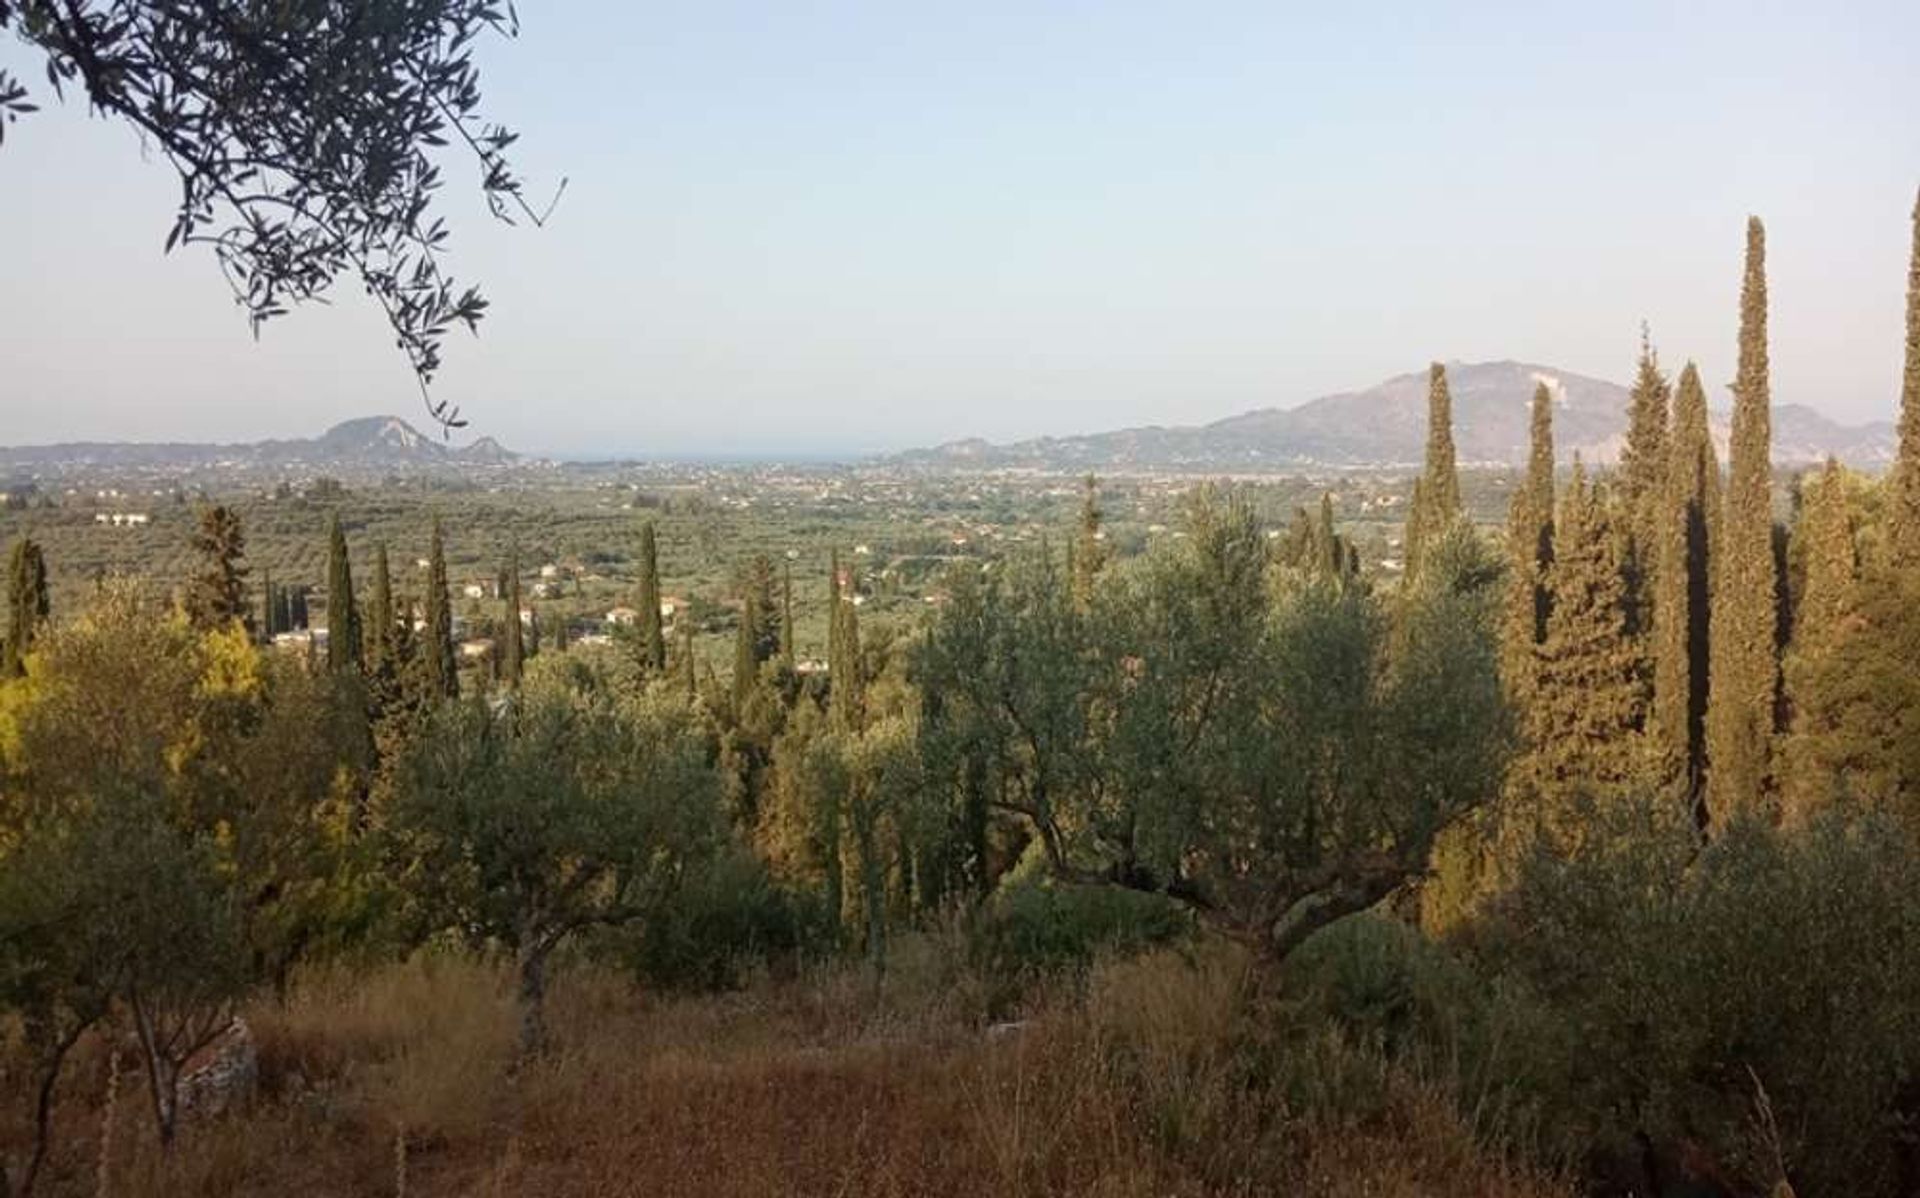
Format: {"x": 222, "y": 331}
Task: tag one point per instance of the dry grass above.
{"x": 836, "y": 1084}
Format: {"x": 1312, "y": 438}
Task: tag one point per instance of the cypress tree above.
{"x": 1530, "y": 557}
{"x": 651, "y": 640}
{"x": 833, "y": 611}
{"x": 269, "y": 621}
{"x": 1436, "y": 497}
{"x": 27, "y": 605}
{"x": 1682, "y": 593}
{"x": 845, "y": 698}
{"x": 512, "y": 650}
{"x": 443, "y": 670}
{"x": 1089, "y": 554}
{"x": 786, "y": 614}
{"x": 689, "y": 672}
{"x": 759, "y": 585}
{"x": 383, "y": 624}
{"x": 343, "y": 616}
{"x": 1583, "y": 718}
{"x": 1643, "y": 468}
{"x": 1824, "y": 543}
{"x": 1744, "y": 671}
{"x": 217, "y": 594}
{"x": 1903, "y": 484}
{"x": 756, "y": 638}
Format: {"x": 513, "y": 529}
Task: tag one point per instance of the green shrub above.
{"x": 723, "y": 925}
{"x": 1756, "y": 1000}
{"x": 1033, "y": 927}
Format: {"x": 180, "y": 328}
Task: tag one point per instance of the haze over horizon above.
{"x": 863, "y": 228}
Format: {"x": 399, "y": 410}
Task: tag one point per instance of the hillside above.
{"x": 1385, "y": 425}
{"x": 386, "y": 442}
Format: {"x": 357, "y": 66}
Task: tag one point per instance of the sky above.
{"x": 806, "y": 228}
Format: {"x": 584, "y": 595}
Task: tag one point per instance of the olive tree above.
{"x": 523, "y": 822}
{"x": 1274, "y": 752}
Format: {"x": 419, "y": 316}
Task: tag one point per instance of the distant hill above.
{"x": 371, "y": 442}
{"x": 1386, "y": 425}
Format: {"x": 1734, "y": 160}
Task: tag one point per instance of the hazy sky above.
{"x": 823, "y": 227}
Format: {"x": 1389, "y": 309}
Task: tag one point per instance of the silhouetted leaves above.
{"x": 301, "y": 134}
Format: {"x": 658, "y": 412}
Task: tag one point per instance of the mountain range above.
{"x": 1386, "y": 426}
{"x": 369, "y": 442}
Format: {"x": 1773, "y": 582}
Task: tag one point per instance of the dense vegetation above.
{"x": 1577, "y": 858}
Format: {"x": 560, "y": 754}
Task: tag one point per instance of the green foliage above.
{"x": 512, "y": 652}
{"x": 1314, "y": 548}
{"x": 650, "y": 643}
{"x": 1856, "y": 732}
{"x": 1530, "y": 557}
{"x": 1772, "y": 967}
{"x": 557, "y": 812}
{"x": 1268, "y": 755}
{"x": 180, "y": 805}
{"x": 1644, "y": 460}
{"x": 217, "y": 594}
{"x": 729, "y": 920}
{"x": 1690, "y": 516}
{"x": 1904, "y": 479}
{"x": 1583, "y": 724}
{"x": 1745, "y": 666}
{"x": 1089, "y": 548}
{"x": 441, "y": 668}
{"x": 304, "y": 147}
{"x": 344, "y": 651}
{"x": 1034, "y": 926}
{"x": 1436, "y": 497}
{"x": 27, "y": 606}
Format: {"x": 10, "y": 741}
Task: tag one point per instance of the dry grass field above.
{"x": 1143, "y": 1080}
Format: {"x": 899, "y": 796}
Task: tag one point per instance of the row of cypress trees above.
{"x": 1664, "y": 632}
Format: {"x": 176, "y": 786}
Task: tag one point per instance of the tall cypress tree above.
{"x": 442, "y": 667}
{"x": 1643, "y": 468}
{"x": 27, "y": 605}
{"x": 746, "y": 663}
{"x": 512, "y": 650}
{"x": 217, "y": 594}
{"x": 1530, "y": 557}
{"x": 757, "y": 637}
{"x": 651, "y": 639}
{"x": 1583, "y": 719}
{"x": 833, "y": 610}
{"x": 1089, "y": 554}
{"x": 1436, "y": 498}
{"x": 343, "y": 615}
{"x": 382, "y": 622}
{"x": 1690, "y": 513}
{"x": 689, "y": 671}
{"x": 1903, "y": 484}
{"x": 786, "y": 614}
{"x": 1745, "y": 671}
{"x": 846, "y": 698}
{"x": 1824, "y": 544}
